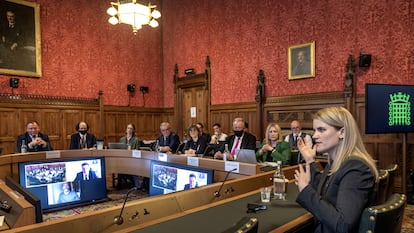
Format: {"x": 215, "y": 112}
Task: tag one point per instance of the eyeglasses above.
{"x": 163, "y": 130}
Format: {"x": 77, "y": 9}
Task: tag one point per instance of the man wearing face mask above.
{"x": 239, "y": 140}
{"x": 82, "y": 139}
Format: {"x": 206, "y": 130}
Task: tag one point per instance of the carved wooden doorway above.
{"x": 192, "y": 100}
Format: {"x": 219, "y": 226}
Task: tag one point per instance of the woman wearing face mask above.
{"x": 274, "y": 148}
{"x": 82, "y": 139}
{"x": 336, "y": 197}
{"x": 240, "y": 140}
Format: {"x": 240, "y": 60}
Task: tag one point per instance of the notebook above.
{"x": 117, "y": 145}
{"x": 246, "y": 156}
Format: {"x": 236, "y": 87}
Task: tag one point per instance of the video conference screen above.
{"x": 62, "y": 184}
{"x": 389, "y": 108}
{"x": 167, "y": 178}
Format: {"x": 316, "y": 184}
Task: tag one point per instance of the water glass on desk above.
{"x": 265, "y": 194}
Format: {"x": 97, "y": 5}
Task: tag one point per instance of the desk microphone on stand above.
{"x": 118, "y": 219}
{"x": 217, "y": 193}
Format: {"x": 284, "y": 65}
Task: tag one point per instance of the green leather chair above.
{"x": 391, "y": 169}
{"x": 382, "y": 187}
{"x": 384, "y": 218}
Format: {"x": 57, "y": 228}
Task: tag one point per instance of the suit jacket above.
{"x": 187, "y": 186}
{"x": 27, "y": 139}
{"x": 75, "y": 141}
{"x": 248, "y": 142}
{"x": 173, "y": 141}
{"x": 199, "y": 146}
{"x": 79, "y": 176}
{"x": 337, "y": 201}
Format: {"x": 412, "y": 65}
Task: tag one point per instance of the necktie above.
{"x": 295, "y": 140}
{"x": 236, "y": 145}
{"x": 83, "y": 142}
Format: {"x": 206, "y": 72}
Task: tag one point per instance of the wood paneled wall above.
{"x": 385, "y": 148}
{"x": 58, "y": 117}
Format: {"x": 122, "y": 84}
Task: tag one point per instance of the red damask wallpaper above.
{"x": 82, "y": 53}
{"x": 242, "y": 37}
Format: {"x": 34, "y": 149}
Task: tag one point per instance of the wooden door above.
{"x": 192, "y": 100}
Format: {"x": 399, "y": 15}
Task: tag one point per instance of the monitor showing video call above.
{"x": 63, "y": 184}
{"x": 167, "y": 177}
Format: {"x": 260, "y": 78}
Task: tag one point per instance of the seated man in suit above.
{"x": 192, "y": 183}
{"x": 167, "y": 141}
{"x": 85, "y": 174}
{"x": 34, "y": 139}
{"x": 239, "y": 140}
{"x": 82, "y": 139}
{"x": 205, "y": 136}
{"x": 297, "y": 132}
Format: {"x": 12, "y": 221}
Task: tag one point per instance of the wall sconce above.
{"x": 14, "y": 82}
{"x": 364, "y": 60}
{"x": 143, "y": 89}
{"x": 131, "y": 87}
{"x": 133, "y": 13}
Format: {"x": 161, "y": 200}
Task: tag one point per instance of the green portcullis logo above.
{"x": 399, "y": 109}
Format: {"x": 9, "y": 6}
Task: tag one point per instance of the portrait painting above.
{"x": 20, "y": 48}
{"x": 301, "y": 61}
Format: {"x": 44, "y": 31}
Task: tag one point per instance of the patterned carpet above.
{"x": 408, "y": 221}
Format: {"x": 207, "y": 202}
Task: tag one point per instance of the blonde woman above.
{"x": 336, "y": 197}
{"x": 274, "y": 148}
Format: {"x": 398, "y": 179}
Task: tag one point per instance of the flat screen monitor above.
{"x": 389, "y": 108}
{"x": 28, "y": 196}
{"x": 168, "y": 177}
{"x": 66, "y": 183}
{"x": 117, "y": 145}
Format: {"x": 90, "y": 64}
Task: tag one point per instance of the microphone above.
{"x": 217, "y": 193}
{"x": 118, "y": 219}
{"x": 299, "y": 157}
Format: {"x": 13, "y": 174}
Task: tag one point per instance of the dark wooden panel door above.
{"x": 192, "y": 100}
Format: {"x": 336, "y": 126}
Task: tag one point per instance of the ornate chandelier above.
{"x": 133, "y": 13}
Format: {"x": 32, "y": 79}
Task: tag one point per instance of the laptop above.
{"x": 117, "y": 145}
{"x": 246, "y": 156}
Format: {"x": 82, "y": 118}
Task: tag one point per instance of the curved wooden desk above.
{"x": 147, "y": 211}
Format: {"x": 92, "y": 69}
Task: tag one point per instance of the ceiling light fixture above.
{"x": 133, "y": 13}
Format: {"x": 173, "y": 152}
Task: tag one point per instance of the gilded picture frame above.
{"x": 20, "y": 44}
{"x": 301, "y": 61}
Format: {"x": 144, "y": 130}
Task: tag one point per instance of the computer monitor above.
{"x": 62, "y": 184}
{"x": 168, "y": 177}
{"x": 246, "y": 156}
{"x": 389, "y": 108}
{"x": 28, "y": 196}
{"x": 117, "y": 145}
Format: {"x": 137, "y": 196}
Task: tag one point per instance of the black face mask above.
{"x": 83, "y": 132}
{"x": 238, "y": 133}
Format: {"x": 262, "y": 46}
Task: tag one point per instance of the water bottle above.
{"x": 157, "y": 146}
{"x": 23, "y": 148}
{"x": 226, "y": 152}
{"x": 279, "y": 188}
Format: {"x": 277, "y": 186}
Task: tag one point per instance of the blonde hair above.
{"x": 351, "y": 144}
{"x": 278, "y": 129}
